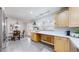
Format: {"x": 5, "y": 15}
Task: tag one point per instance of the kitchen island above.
{"x": 60, "y": 41}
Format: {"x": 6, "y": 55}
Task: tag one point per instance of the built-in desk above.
{"x": 60, "y": 42}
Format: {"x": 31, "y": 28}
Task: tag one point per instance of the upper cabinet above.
{"x": 74, "y": 17}
{"x": 62, "y": 19}
{"x": 68, "y": 18}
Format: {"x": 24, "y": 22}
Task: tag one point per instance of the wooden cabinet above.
{"x": 47, "y": 38}
{"x": 43, "y": 37}
{"x": 61, "y": 19}
{"x": 68, "y": 18}
{"x": 52, "y": 39}
{"x": 61, "y": 44}
{"x": 74, "y": 17}
{"x": 58, "y": 44}
{"x": 36, "y": 37}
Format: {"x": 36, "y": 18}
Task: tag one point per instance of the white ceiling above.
{"x": 28, "y": 13}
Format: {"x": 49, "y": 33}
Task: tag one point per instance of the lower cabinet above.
{"x": 61, "y": 44}
{"x": 47, "y": 38}
{"x": 52, "y": 39}
{"x": 36, "y": 37}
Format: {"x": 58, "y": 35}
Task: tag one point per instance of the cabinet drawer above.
{"x": 42, "y": 37}
{"x": 46, "y": 38}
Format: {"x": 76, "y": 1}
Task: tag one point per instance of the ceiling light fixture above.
{"x": 31, "y": 12}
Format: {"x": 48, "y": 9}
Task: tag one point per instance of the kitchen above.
{"x": 51, "y": 29}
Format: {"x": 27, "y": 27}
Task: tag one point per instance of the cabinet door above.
{"x": 36, "y": 37}
{"x": 62, "y": 19}
{"x": 58, "y": 44}
{"x": 61, "y": 44}
{"x": 74, "y": 16}
{"x": 66, "y": 45}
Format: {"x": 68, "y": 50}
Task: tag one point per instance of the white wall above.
{"x": 29, "y": 28}
{"x": 46, "y": 22}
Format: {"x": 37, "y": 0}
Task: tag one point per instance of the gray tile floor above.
{"x": 26, "y": 45}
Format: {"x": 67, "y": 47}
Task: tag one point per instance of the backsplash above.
{"x": 45, "y": 23}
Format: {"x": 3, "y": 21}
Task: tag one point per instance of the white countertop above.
{"x": 75, "y": 41}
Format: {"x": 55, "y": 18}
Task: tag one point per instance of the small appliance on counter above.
{"x": 68, "y": 33}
